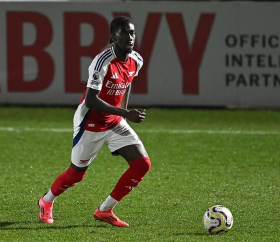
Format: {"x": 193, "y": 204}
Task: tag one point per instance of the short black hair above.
{"x": 117, "y": 22}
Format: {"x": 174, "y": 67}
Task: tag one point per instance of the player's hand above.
{"x": 136, "y": 116}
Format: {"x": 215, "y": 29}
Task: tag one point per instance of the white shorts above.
{"x": 87, "y": 144}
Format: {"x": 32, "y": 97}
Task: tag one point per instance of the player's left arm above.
{"x": 139, "y": 63}
{"x": 124, "y": 102}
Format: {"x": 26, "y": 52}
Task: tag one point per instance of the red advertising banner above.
{"x": 195, "y": 54}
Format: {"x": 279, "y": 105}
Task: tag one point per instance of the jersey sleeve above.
{"x": 96, "y": 75}
{"x": 139, "y": 60}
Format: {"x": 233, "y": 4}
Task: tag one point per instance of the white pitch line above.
{"x": 167, "y": 131}
{"x": 28, "y": 129}
{"x": 194, "y": 131}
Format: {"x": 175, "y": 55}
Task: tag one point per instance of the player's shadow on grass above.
{"x": 22, "y": 226}
{"x": 4, "y": 224}
{"x": 195, "y": 234}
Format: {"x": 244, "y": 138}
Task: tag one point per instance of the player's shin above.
{"x": 131, "y": 178}
{"x": 66, "y": 180}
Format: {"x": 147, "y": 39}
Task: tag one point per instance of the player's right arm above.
{"x": 93, "y": 102}
{"x": 97, "y": 71}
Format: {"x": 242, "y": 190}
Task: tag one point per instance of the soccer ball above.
{"x": 217, "y": 220}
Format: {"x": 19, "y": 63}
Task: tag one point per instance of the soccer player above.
{"x": 101, "y": 118}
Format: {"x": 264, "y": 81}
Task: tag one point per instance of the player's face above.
{"x": 125, "y": 38}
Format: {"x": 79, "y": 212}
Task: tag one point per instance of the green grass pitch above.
{"x": 199, "y": 158}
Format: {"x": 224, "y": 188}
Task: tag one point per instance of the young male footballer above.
{"x": 101, "y": 119}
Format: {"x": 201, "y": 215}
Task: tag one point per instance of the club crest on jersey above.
{"x": 130, "y": 73}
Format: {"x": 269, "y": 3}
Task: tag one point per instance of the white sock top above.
{"x": 109, "y": 203}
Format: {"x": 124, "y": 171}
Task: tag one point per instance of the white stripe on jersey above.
{"x": 98, "y": 68}
{"x": 139, "y": 60}
{"x": 79, "y": 117}
{"x": 101, "y": 59}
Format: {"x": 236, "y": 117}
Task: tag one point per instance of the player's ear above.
{"x": 112, "y": 38}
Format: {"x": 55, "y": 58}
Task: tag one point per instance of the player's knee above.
{"x": 142, "y": 165}
{"x": 75, "y": 176}
{"x": 146, "y": 164}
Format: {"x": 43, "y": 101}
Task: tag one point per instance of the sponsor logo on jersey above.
{"x": 116, "y": 88}
{"x": 122, "y": 85}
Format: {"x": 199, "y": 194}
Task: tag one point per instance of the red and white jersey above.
{"x": 111, "y": 77}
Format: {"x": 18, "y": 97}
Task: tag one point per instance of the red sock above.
{"x": 131, "y": 178}
{"x": 67, "y": 179}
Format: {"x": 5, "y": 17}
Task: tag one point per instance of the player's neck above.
{"x": 121, "y": 55}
